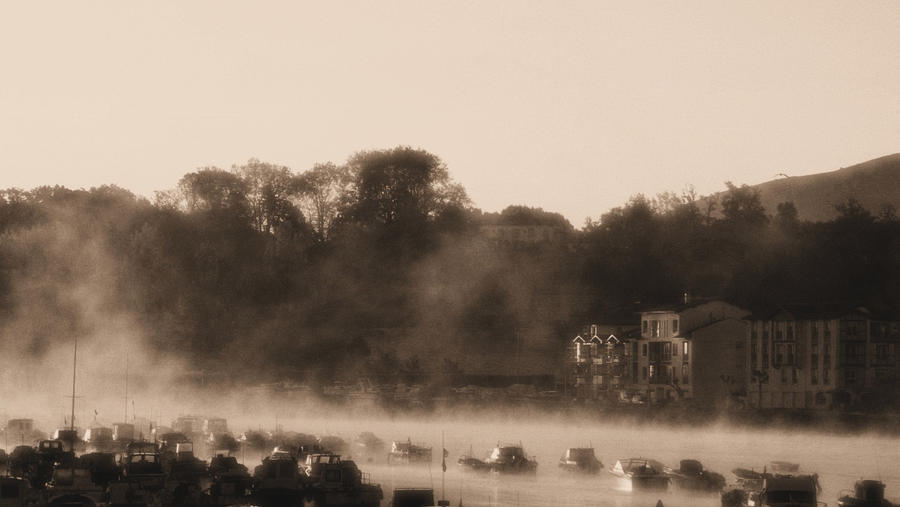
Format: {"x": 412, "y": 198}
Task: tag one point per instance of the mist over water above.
{"x": 839, "y": 459}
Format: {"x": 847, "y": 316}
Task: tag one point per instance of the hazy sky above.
{"x": 570, "y": 106}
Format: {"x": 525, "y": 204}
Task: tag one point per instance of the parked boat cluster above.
{"x": 113, "y": 468}
{"x": 124, "y": 471}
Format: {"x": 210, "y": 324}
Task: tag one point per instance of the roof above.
{"x": 711, "y": 324}
{"x": 810, "y": 311}
{"x": 682, "y": 306}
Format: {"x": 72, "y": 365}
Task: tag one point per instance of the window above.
{"x": 778, "y": 335}
{"x": 794, "y": 375}
{"x": 825, "y": 376}
{"x": 644, "y": 350}
{"x": 850, "y": 377}
{"x": 820, "y": 399}
{"x": 814, "y": 332}
{"x": 674, "y": 348}
{"x": 667, "y": 351}
{"x": 644, "y": 327}
{"x": 685, "y": 349}
{"x": 685, "y": 373}
{"x": 675, "y": 326}
{"x": 784, "y": 375}
{"x": 654, "y": 328}
{"x": 644, "y": 373}
{"x": 814, "y": 376}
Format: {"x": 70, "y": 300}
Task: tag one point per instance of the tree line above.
{"x": 379, "y": 267}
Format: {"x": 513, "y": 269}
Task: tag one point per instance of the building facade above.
{"x": 689, "y": 351}
{"x": 808, "y": 357}
{"x": 692, "y": 351}
{"x": 598, "y": 361}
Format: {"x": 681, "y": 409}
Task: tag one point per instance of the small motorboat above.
{"x": 472, "y": 464}
{"x": 690, "y": 476}
{"x": 406, "y": 453}
{"x": 866, "y": 493}
{"x": 640, "y": 474}
{"x": 511, "y": 459}
{"x": 580, "y": 459}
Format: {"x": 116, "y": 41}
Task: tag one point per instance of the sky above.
{"x": 566, "y": 105}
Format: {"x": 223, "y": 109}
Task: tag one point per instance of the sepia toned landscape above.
{"x": 409, "y": 255}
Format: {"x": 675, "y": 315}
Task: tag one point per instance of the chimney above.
{"x": 686, "y": 297}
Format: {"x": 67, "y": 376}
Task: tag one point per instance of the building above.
{"x": 691, "y": 351}
{"x": 598, "y": 362}
{"x": 820, "y": 356}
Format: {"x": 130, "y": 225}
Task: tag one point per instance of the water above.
{"x": 838, "y": 459}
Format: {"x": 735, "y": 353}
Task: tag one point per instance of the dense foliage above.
{"x": 381, "y": 268}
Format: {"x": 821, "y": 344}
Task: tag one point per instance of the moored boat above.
{"x": 580, "y": 459}
{"x": 690, "y": 476}
{"x": 511, "y": 459}
{"x": 640, "y": 474}
{"x": 866, "y": 493}
{"x": 405, "y": 453}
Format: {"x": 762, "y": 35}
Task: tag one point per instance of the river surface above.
{"x": 839, "y": 460}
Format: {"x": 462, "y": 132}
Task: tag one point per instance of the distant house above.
{"x": 819, "y": 356}
{"x": 694, "y": 350}
{"x": 597, "y": 359}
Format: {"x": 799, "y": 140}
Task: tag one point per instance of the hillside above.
{"x": 873, "y": 184}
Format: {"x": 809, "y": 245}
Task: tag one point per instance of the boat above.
{"x": 333, "y": 482}
{"x": 412, "y": 497}
{"x": 406, "y": 453}
{"x": 472, "y": 464}
{"x": 368, "y": 445}
{"x": 102, "y": 467}
{"x": 510, "y": 459}
{"x": 186, "y": 476}
{"x": 580, "y": 459}
{"x": 640, "y": 474}
{"x": 142, "y": 480}
{"x": 99, "y": 439}
{"x": 866, "y": 493}
{"x": 276, "y": 481}
{"x": 690, "y": 476}
{"x": 73, "y": 487}
{"x": 16, "y": 492}
{"x": 230, "y": 481}
{"x": 773, "y": 490}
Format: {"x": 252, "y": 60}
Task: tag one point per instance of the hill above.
{"x": 873, "y": 183}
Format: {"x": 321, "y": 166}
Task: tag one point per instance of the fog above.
{"x": 839, "y": 459}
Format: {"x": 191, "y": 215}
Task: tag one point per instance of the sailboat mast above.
{"x": 74, "y": 363}
{"x": 126, "y": 388}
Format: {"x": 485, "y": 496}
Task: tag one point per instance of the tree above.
{"x": 402, "y": 188}
{"x": 743, "y": 206}
{"x": 269, "y": 190}
{"x": 321, "y": 194}
{"x": 786, "y": 218}
{"x": 852, "y": 211}
{"x": 214, "y": 190}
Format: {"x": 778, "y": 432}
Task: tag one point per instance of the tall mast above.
{"x": 126, "y": 388}
{"x": 74, "y": 363}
